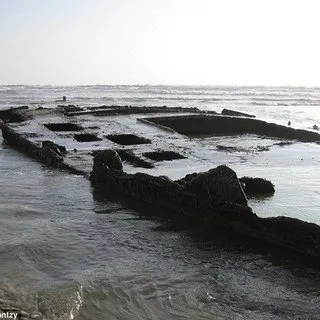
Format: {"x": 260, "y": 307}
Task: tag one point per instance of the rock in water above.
{"x": 257, "y": 185}
{"x": 218, "y": 184}
{"x": 109, "y": 158}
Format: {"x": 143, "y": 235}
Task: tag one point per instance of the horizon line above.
{"x": 166, "y": 85}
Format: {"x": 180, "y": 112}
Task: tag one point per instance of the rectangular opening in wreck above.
{"x": 127, "y": 139}
{"x": 162, "y": 155}
{"x": 63, "y": 126}
{"x": 129, "y": 156}
{"x": 86, "y": 137}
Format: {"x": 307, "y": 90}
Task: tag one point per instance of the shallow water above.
{"x": 72, "y": 250}
{"x": 71, "y": 254}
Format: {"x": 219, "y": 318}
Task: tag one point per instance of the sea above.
{"x": 68, "y": 253}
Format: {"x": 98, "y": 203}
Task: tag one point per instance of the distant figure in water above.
{"x": 289, "y": 123}
{"x": 64, "y": 99}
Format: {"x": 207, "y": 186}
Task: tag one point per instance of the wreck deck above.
{"x": 84, "y": 134}
{"x": 147, "y": 144}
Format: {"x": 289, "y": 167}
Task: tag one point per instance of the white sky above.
{"x": 204, "y": 42}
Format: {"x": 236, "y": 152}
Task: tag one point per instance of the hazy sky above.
{"x": 202, "y": 42}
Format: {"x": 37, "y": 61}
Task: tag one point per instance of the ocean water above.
{"x": 70, "y": 254}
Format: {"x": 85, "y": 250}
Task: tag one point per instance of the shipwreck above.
{"x": 121, "y": 148}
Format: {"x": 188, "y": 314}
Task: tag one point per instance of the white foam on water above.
{"x": 77, "y": 303}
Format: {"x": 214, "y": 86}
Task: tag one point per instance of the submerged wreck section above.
{"x": 209, "y": 125}
{"x": 256, "y": 186}
{"x": 228, "y": 112}
{"x": 125, "y": 110}
{"x": 120, "y": 147}
{"x": 48, "y": 153}
{"x": 214, "y": 197}
{"x": 192, "y": 198}
{"x": 15, "y": 114}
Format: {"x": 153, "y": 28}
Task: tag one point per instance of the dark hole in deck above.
{"x": 86, "y": 137}
{"x": 129, "y": 156}
{"x": 127, "y": 139}
{"x": 163, "y": 155}
{"x": 63, "y": 126}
